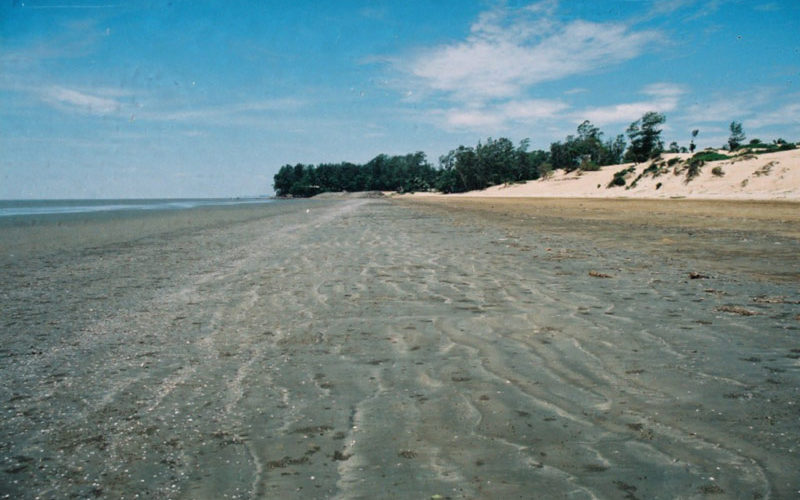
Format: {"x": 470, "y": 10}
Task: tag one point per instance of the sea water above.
{"x": 15, "y": 208}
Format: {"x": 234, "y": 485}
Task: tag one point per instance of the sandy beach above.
{"x": 418, "y": 347}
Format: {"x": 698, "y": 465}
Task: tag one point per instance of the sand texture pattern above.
{"x": 370, "y": 348}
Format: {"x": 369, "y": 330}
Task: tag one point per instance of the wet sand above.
{"x": 371, "y": 348}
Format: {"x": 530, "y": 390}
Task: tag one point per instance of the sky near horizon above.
{"x": 112, "y": 99}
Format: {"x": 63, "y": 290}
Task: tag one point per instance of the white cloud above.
{"x": 510, "y": 50}
{"x": 663, "y": 97}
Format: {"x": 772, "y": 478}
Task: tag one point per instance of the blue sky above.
{"x": 110, "y": 99}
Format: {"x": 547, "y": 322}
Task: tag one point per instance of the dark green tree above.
{"x": 562, "y": 155}
{"x": 691, "y": 143}
{"x": 586, "y": 150}
{"x": 589, "y": 146}
{"x": 645, "y": 137}
{"x": 496, "y": 161}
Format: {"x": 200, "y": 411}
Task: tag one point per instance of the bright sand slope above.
{"x": 773, "y": 176}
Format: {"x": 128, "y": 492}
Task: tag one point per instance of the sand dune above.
{"x": 773, "y": 176}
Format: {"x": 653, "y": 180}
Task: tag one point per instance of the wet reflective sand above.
{"x": 406, "y": 349}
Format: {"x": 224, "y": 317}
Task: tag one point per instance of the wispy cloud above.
{"x": 669, "y": 6}
{"x": 784, "y": 115}
{"x": 101, "y": 101}
{"x": 661, "y": 97}
{"x": 706, "y": 9}
{"x": 500, "y": 116}
{"x": 510, "y": 50}
{"x": 71, "y": 100}
{"x": 687, "y": 9}
{"x": 489, "y": 79}
{"x": 768, "y": 7}
{"x": 225, "y": 114}
{"x": 23, "y": 64}
{"x": 33, "y": 4}
{"x": 732, "y": 106}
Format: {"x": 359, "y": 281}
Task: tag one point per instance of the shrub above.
{"x": 619, "y": 176}
{"x": 764, "y": 170}
{"x": 746, "y": 155}
{"x": 693, "y": 168}
{"x": 717, "y": 171}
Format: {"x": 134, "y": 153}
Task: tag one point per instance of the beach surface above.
{"x": 420, "y": 347}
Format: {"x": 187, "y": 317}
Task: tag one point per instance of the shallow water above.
{"x": 368, "y": 349}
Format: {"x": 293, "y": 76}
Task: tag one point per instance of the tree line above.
{"x": 407, "y": 173}
{"x": 490, "y": 162}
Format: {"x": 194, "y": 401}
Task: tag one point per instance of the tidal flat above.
{"x": 405, "y": 348}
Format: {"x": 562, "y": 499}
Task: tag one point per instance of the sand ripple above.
{"x": 368, "y": 349}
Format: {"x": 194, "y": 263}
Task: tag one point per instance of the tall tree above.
{"x": 284, "y": 180}
{"x": 645, "y": 137}
{"x": 588, "y": 132}
{"x": 737, "y": 136}
{"x": 613, "y": 149}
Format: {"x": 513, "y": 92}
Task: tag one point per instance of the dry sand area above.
{"x": 408, "y": 348}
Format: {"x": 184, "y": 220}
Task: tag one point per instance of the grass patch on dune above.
{"x": 709, "y": 156}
